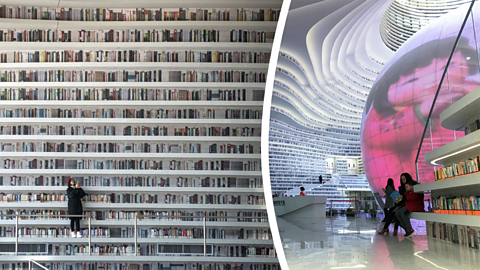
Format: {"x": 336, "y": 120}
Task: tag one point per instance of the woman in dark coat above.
{"x": 75, "y": 194}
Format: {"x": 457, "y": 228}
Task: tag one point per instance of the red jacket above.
{"x": 414, "y": 201}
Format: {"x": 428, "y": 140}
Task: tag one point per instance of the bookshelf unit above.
{"x": 156, "y": 108}
{"x": 455, "y": 196}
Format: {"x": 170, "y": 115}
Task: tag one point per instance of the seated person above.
{"x": 302, "y": 193}
{"x": 413, "y": 203}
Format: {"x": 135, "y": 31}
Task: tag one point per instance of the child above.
{"x": 302, "y": 193}
{"x": 413, "y": 203}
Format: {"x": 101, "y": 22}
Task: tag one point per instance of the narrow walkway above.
{"x": 352, "y": 243}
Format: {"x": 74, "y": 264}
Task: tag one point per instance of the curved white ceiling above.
{"x": 331, "y": 54}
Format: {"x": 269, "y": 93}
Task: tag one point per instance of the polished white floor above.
{"x": 352, "y": 243}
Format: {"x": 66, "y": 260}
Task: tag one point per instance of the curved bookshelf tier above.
{"x": 456, "y": 116}
{"x": 153, "y": 240}
{"x": 126, "y": 103}
{"x": 142, "y": 259}
{"x": 456, "y": 151}
{"x": 86, "y": 138}
{"x": 464, "y": 220}
{"x": 162, "y": 156}
{"x": 449, "y": 184}
{"x": 146, "y": 25}
{"x": 126, "y": 206}
{"x": 183, "y": 85}
{"x": 141, "y": 223}
{"x": 176, "y": 46}
{"x": 129, "y": 189}
{"x": 133, "y": 65}
{"x": 146, "y": 3}
{"x": 120, "y": 121}
{"x": 183, "y": 173}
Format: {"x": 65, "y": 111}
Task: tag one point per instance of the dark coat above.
{"x": 75, "y": 196}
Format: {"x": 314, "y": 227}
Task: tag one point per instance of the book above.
{"x": 396, "y": 196}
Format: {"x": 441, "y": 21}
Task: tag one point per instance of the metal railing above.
{"x": 30, "y": 262}
{"x": 135, "y": 225}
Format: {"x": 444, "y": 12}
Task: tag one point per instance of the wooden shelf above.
{"x": 464, "y": 220}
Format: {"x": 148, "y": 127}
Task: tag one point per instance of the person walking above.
{"x": 389, "y": 202}
{"x": 75, "y": 194}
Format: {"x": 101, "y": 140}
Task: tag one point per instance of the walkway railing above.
{"x": 134, "y": 225}
{"x": 30, "y": 262}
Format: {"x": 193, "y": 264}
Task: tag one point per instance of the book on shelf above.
{"x": 457, "y": 205}
{"x": 467, "y": 236}
{"x": 458, "y": 169}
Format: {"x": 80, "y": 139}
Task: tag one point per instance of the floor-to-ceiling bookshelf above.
{"x": 156, "y": 108}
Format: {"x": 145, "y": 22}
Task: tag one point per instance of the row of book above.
{"x": 128, "y": 130}
{"x": 68, "y": 56}
{"x": 133, "y": 181}
{"x": 138, "y": 14}
{"x": 472, "y": 127}
{"x": 138, "y": 198}
{"x": 129, "y": 164}
{"x": 135, "y": 35}
{"x": 81, "y": 147}
{"x": 457, "y": 169}
{"x": 131, "y": 113}
{"x": 172, "y": 215}
{"x": 130, "y": 94}
{"x": 457, "y": 205}
{"x": 131, "y": 76}
{"x": 143, "y": 266}
{"x": 129, "y": 232}
{"x": 461, "y": 235}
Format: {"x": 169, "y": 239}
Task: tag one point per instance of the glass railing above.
{"x": 446, "y": 70}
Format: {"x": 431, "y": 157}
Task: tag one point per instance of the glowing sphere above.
{"x": 400, "y": 100}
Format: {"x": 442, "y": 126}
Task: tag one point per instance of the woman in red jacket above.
{"x": 413, "y": 203}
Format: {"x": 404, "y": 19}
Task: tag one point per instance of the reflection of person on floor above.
{"x": 302, "y": 191}
{"x": 413, "y": 203}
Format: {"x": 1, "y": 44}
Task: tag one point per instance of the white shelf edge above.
{"x": 134, "y": 65}
{"x": 126, "y": 103}
{"x": 188, "y": 85}
{"x": 128, "y": 189}
{"x": 455, "y": 116}
{"x": 166, "y": 121}
{"x": 92, "y": 206}
{"x": 140, "y": 223}
{"x": 464, "y": 181}
{"x": 463, "y": 220}
{"x": 176, "y": 46}
{"x": 147, "y": 259}
{"x": 455, "y": 151}
{"x": 210, "y": 173}
{"x": 129, "y": 138}
{"x": 163, "y": 156}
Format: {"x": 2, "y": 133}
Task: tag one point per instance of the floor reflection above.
{"x": 351, "y": 243}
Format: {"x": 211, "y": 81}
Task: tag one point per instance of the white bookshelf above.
{"x": 132, "y": 66}
{"x": 242, "y": 131}
{"x": 456, "y": 117}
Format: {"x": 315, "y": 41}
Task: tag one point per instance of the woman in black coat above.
{"x": 75, "y": 194}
